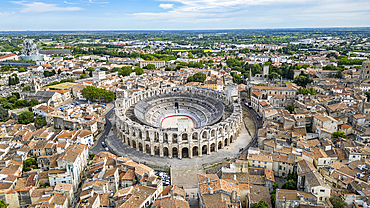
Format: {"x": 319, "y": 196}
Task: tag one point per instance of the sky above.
{"x": 181, "y": 14}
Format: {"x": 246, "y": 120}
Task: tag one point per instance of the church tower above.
{"x": 35, "y": 87}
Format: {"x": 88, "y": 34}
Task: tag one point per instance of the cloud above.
{"x": 253, "y": 11}
{"x": 40, "y": 7}
{"x": 98, "y": 2}
{"x": 166, "y": 6}
{"x": 68, "y": 2}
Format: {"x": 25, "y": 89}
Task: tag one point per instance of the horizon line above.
{"x": 206, "y": 29}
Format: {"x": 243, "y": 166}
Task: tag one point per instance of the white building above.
{"x": 157, "y": 64}
{"x": 98, "y": 75}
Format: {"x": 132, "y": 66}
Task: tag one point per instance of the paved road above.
{"x": 98, "y": 148}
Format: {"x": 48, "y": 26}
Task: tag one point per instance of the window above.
{"x": 253, "y": 165}
{"x": 259, "y": 166}
{"x": 265, "y": 162}
{"x": 253, "y": 160}
{"x": 322, "y": 191}
{"x": 259, "y": 161}
{"x": 265, "y": 166}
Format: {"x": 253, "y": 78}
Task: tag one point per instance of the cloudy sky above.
{"x": 181, "y": 14}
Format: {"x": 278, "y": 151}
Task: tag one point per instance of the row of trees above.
{"x": 92, "y": 93}
{"x": 304, "y": 91}
{"x": 125, "y": 71}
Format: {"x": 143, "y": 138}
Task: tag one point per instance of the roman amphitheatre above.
{"x": 178, "y": 122}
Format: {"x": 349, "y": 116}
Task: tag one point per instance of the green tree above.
{"x": 90, "y": 73}
{"x": 3, "y": 204}
{"x": 110, "y": 96}
{"x": 125, "y": 71}
{"x": 338, "y": 203}
{"x": 26, "y": 88}
{"x": 104, "y": 69}
{"x": 90, "y": 69}
{"x": 339, "y": 134}
{"x": 83, "y": 76}
{"x": 33, "y": 102}
{"x": 197, "y": 77}
{"x": 290, "y": 108}
{"x": 59, "y": 71}
{"x": 312, "y": 91}
{"x": 40, "y": 121}
{"x": 367, "y": 95}
{"x": 290, "y": 184}
{"x": 260, "y": 204}
{"x": 302, "y": 80}
{"x": 138, "y": 71}
{"x": 46, "y": 73}
{"x": 150, "y": 67}
{"x": 3, "y": 114}
{"x": 26, "y": 117}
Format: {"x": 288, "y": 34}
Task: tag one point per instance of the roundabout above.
{"x": 178, "y": 122}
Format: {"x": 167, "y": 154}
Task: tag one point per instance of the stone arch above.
{"x": 213, "y": 133}
{"x": 204, "y": 135}
{"x": 195, "y": 136}
{"x": 140, "y": 147}
{"x": 156, "y": 150}
{"x": 174, "y": 138}
{"x": 156, "y": 136}
{"x": 212, "y": 147}
{"x": 165, "y": 151}
{"x": 220, "y": 131}
{"x": 226, "y": 142}
{"x": 128, "y": 142}
{"x": 140, "y": 134}
{"x": 184, "y": 137}
{"x": 147, "y": 149}
{"x": 219, "y": 145}
{"x": 185, "y": 152}
{"x": 147, "y": 136}
{"x": 134, "y": 144}
{"x": 165, "y": 137}
{"x": 231, "y": 139}
{"x": 175, "y": 152}
{"x": 204, "y": 149}
{"x": 195, "y": 151}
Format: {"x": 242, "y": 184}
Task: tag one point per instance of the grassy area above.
{"x": 63, "y": 86}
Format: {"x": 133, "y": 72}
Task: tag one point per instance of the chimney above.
{"x": 211, "y": 191}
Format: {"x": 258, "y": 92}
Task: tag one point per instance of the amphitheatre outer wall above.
{"x": 172, "y": 143}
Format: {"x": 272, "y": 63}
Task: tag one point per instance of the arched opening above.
{"x": 140, "y": 134}
{"x": 156, "y": 136}
{"x": 226, "y": 143}
{"x": 204, "y": 135}
{"x": 147, "y": 138}
{"x": 165, "y": 151}
{"x": 165, "y": 137}
{"x": 185, "y": 152}
{"x": 174, "y": 152}
{"x": 195, "y": 151}
{"x": 184, "y": 137}
{"x": 133, "y": 133}
{"x": 176, "y": 105}
{"x": 174, "y": 138}
{"x": 212, "y": 147}
{"x": 134, "y": 144}
{"x": 147, "y": 149}
{"x": 204, "y": 149}
{"x": 140, "y": 147}
{"x": 231, "y": 139}
{"x": 156, "y": 150}
{"x": 128, "y": 142}
{"x": 219, "y": 145}
{"x": 195, "y": 136}
{"x": 220, "y": 132}
{"x": 213, "y": 133}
